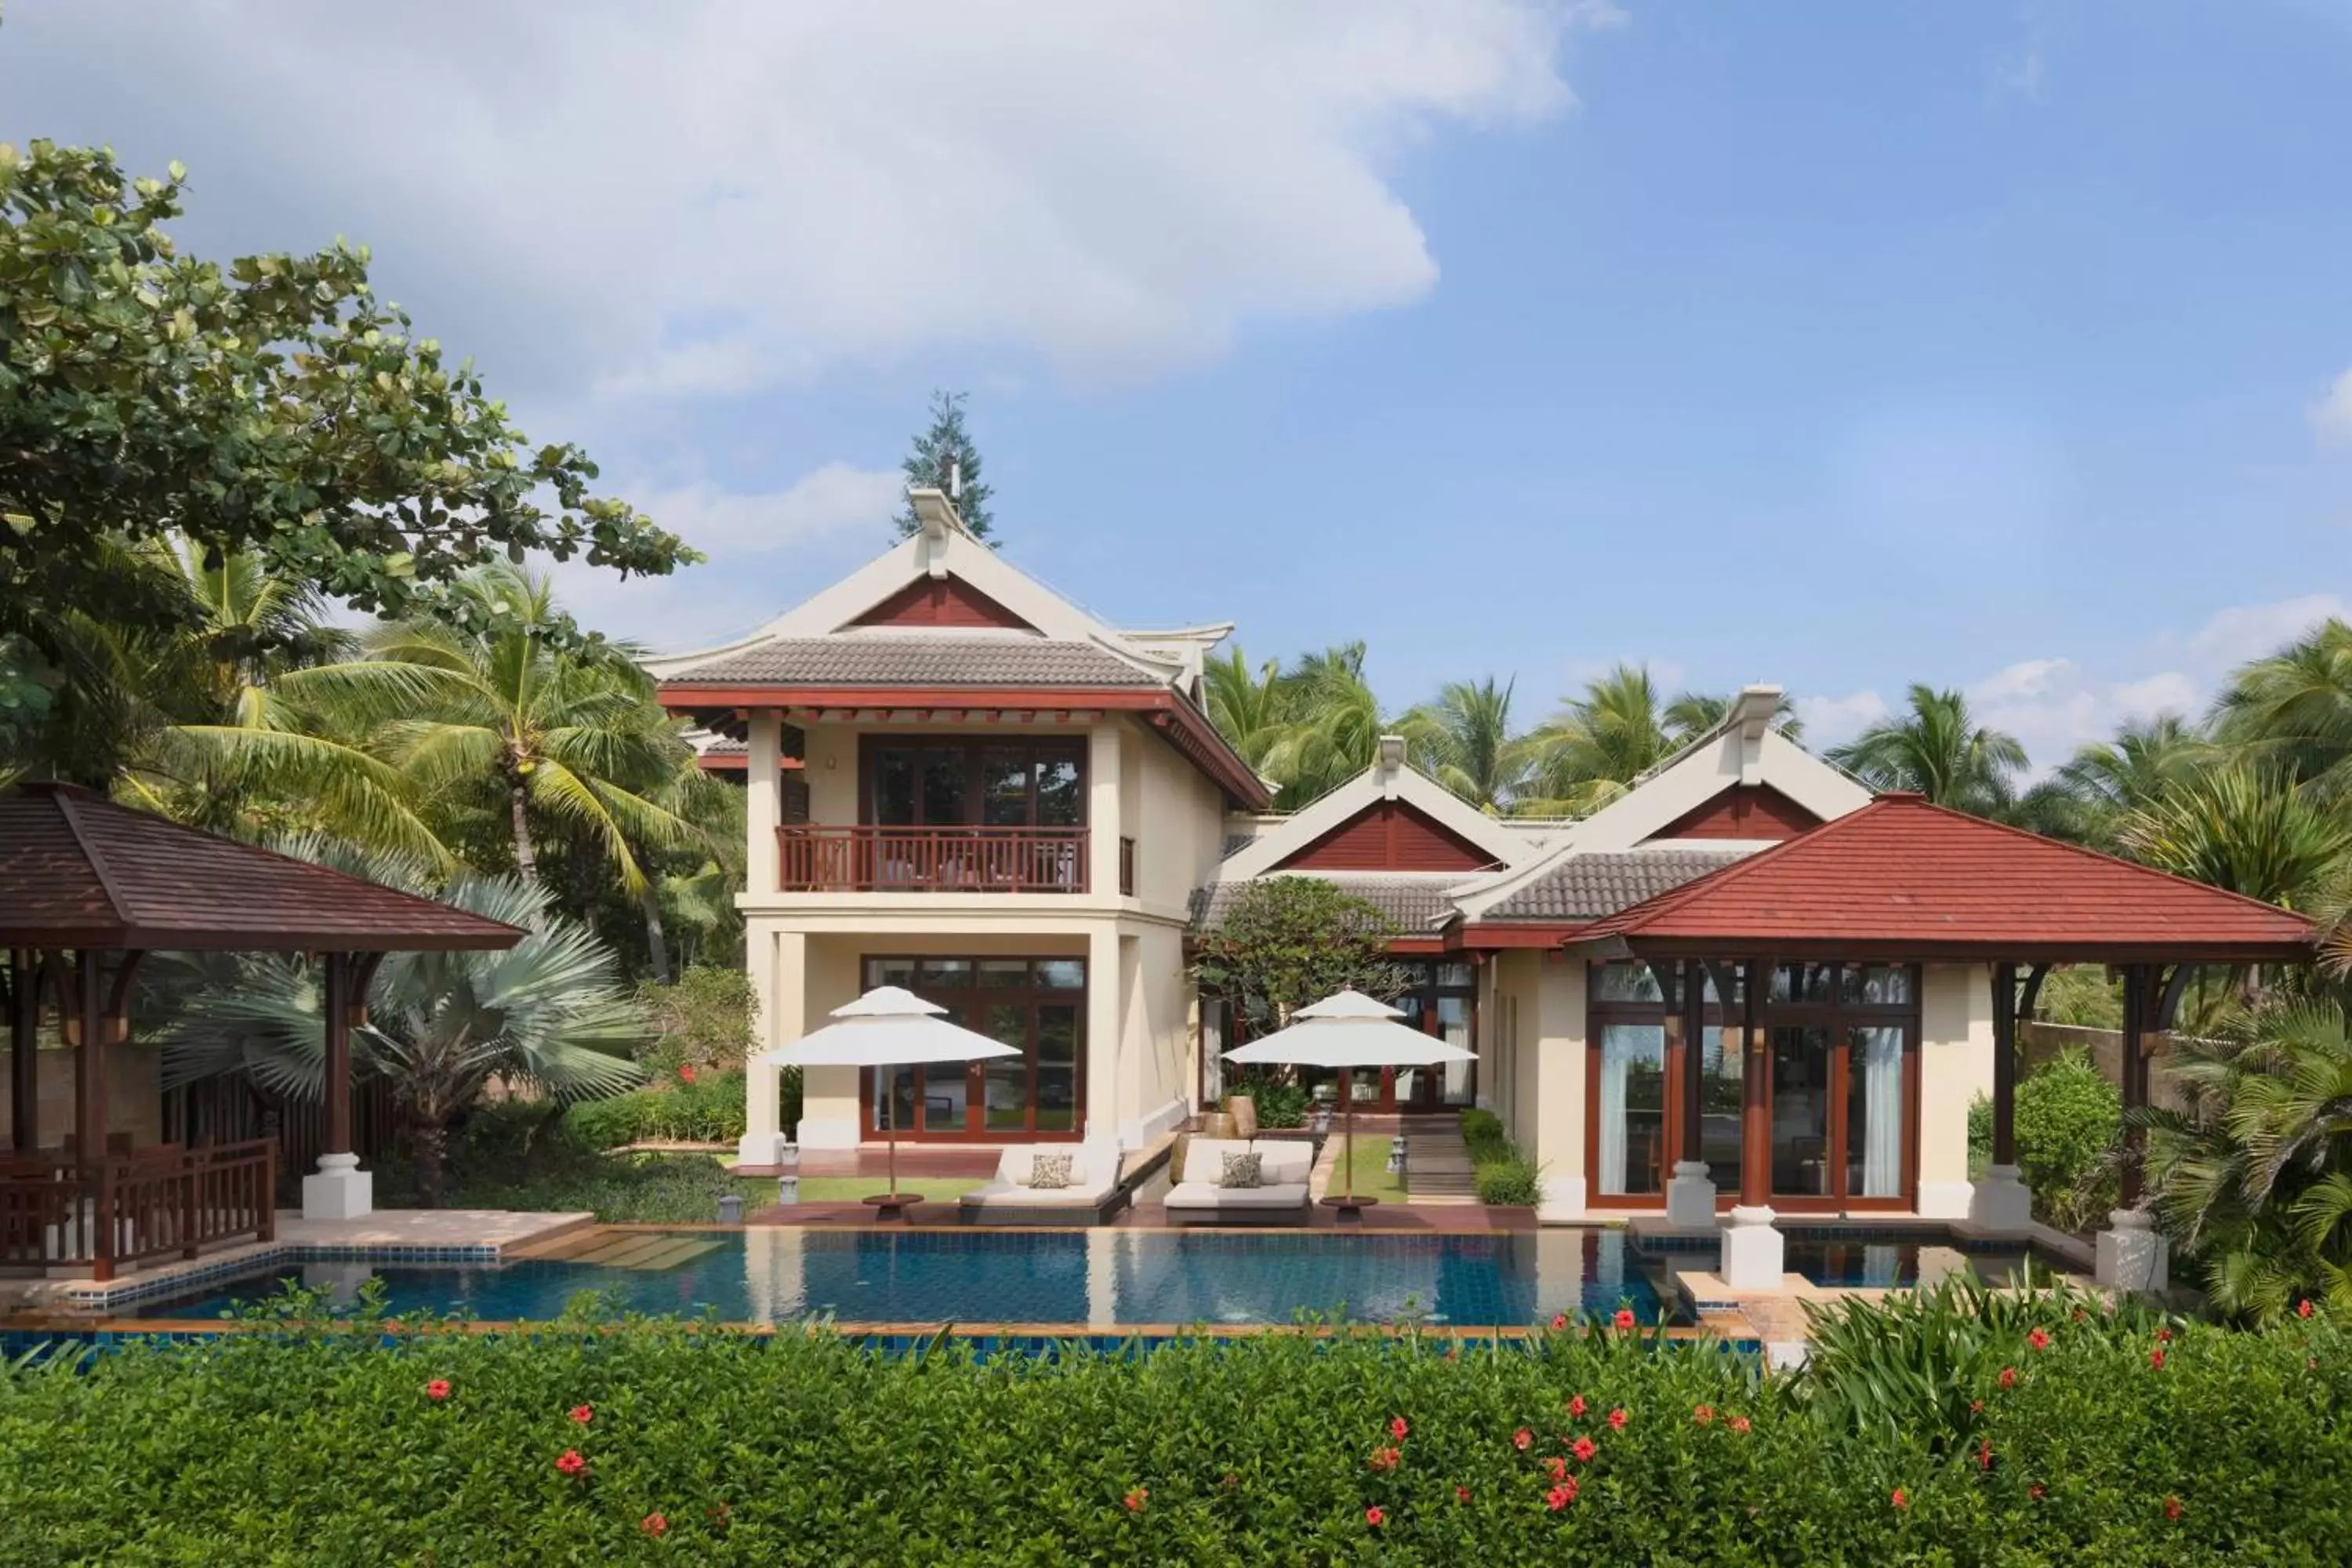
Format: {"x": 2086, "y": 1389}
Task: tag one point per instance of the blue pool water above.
{"x": 1100, "y": 1278}
{"x": 1901, "y": 1264}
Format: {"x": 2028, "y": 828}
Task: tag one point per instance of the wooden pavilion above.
{"x": 86, "y": 889}
{"x": 1780, "y": 938}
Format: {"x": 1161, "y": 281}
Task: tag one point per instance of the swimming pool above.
{"x": 1100, "y": 1278}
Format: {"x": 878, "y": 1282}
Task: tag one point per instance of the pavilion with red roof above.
{"x": 1828, "y": 915}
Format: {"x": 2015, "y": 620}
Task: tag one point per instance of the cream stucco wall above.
{"x": 1955, "y": 1067}
{"x": 1536, "y": 1056}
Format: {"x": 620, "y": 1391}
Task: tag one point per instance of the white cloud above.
{"x": 2244, "y": 632}
{"x": 1834, "y": 720}
{"x": 2331, "y": 415}
{"x": 715, "y": 195}
{"x": 834, "y": 499}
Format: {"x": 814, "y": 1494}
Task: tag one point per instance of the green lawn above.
{"x": 1371, "y": 1163}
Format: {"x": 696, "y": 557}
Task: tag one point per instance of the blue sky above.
{"x": 2005, "y": 347}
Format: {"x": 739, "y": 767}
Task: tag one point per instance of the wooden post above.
{"x": 1692, "y": 1021}
{"x": 24, "y": 1058}
{"x": 2004, "y": 1063}
{"x": 338, "y": 1088}
{"x": 1755, "y": 1092}
{"x": 90, "y": 1107}
{"x": 2133, "y": 1075}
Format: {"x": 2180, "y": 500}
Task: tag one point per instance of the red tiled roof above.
{"x": 1901, "y": 878}
{"x": 78, "y": 871}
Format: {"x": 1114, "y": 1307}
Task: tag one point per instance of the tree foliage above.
{"x": 273, "y": 407}
{"x": 1286, "y": 941}
{"x": 942, "y": 453}
{"x": 1938, "y": 749}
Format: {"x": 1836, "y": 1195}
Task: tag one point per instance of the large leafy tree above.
{"x": 548, "y": 1014}
{"x": 943, "y": 458}
{"x": 273, "y": 407}
{"x": 1938, "y": 749}
{"x": 1289, "y": 941}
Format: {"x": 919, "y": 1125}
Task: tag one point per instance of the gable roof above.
{"x": 878, "y": 660}
{"x": 1902, "y": 878}
{"x": 1591, "y": 887}
{"x": 78, "y": 871}
{"x": 1388, "y": 779}
{"x": 1414, "y": 902}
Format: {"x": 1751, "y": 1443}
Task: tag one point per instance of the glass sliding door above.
{"x": 1845, "y": 1039}
{"x": 1632, "y": 1108}
{"x": 1036, "y": 1006}
{"x": 1721, "y": 1071}
{"x": 1873, "y": 1115}
{"x": 1802, "y": 1065}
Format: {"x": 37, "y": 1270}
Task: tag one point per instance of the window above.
{"x": 959, "y": 782}
{"x": 1037, "y": 1005}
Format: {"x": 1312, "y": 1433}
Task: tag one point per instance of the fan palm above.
{"x": 548, "y": 1014}
{"x": 2293, "y": 710}
{"x": 1938, "y": 749}
{"x": 1464, "y": 740}
{"x": 2254, "y": 1180}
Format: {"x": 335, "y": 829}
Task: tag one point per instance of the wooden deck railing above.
{"x": 56, "y": 1213}
{"x": 932, "y": 860}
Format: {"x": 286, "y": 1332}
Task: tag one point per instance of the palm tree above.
{"x": 1694, "y": 713}
{"x": 1330, "y": 727}
{"x": 1598, "y": 743}
{"x": 548, "y": 1014}
{"x": 1246, "y": 704}
{"x": 2147, "y": 757}
{"x": 2243, "y": 828}
{"x": 1938, "y": 749}
{"x": 2293, "y": 710}
{"x": 547, "y": 735}
{"x": 1464, "y": 739}
{"x": 2253, "y": 1181}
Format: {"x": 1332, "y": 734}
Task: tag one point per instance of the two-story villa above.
{"x": 1746, "y": 984}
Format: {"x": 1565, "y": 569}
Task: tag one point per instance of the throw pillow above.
{"x": 1244, "y": 1170}
{"x": 1049, "y": 1170}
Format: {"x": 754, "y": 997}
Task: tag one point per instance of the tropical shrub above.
{"x": 2062, "y": 1440}
{"x": 705, "y": 1108}
{"x": 703, "y": 1019}
{"x": 1503, "y": 1174}
{"x": 2068, "y": 1120}
{"x": 1280, "y": 1104}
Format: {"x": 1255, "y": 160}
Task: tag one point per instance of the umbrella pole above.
{"x": 890, "y": 1123}
{"x": 1348, "y": 1114}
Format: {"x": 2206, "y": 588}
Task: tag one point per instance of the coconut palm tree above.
{"x": 2253, "y": 1181}
{"x": 1245, "y": 703}
{"x": 1464, "y": 739}
{"x": 1331, "y": 724}
{"x": 2293, "y": 710}
{"x": 547, "y": 1015}
{"x": 1694, "y": 713}
{"x": 1600, "y": 742}
{"x": 1938, "y": 749}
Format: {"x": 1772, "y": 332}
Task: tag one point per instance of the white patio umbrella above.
{"x": 887, "y": 1027}
{"x": 1348, "y": 1030}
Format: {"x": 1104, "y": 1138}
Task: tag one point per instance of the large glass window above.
{"x": 1841, "y": 1036}
{"x": 1633, "y": 1109}
{"x": 1801, "y": 1066}
{"x": 956, "y": 783}
{"x": 1036, "y": 1006}
{"x": 1720, "y": 1086}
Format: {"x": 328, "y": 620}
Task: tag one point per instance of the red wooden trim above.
{"x": 940, "y": 602}
{"x": 870, "y": 859}
{"x": 1743, "y": 811}
{"x": 1390, "y": 836}
{"x": 1495, "y": 935}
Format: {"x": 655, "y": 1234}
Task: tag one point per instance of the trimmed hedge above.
{"x": 694, "y": 1444}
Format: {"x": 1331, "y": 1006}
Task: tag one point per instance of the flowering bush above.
{"x": 313, "y": 1444}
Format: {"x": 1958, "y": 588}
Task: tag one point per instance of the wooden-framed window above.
{"x": 1037, "y": 1005}
{"x": 1013, "y": 781}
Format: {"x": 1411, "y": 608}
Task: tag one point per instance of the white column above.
{"x": 1103, "y": 809}
{"x": 2130, "y": 1255}
{"x": 2000, "y": 1202}
{"x": 1753, "y": 1254}
{"x": 763, "y": 801}
{"x": 1105, "y": 1014}
{"x": 777, "y": 962}
{"x": 1690, "y": 1196}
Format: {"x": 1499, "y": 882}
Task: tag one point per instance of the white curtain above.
{"x": 1877, "y": 1055}
{"x": 1621, "y": 1045}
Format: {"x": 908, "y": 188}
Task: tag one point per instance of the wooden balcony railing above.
{"x": 815, "y": 859}
{"x": 127, "y": 1208}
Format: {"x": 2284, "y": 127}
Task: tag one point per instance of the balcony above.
{"x": 960, "y": 860}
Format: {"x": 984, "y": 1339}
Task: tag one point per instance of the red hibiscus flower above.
{"x": 1576, "y": 1404}
{"x": 1704, "y": 1415}
{"x": 1460, "y": 1494}
{"x": 2038, "y": 1338}
{"x": 1584, "y": 1448}
{"x": 686, "y": 1073}
{"x": 1397, "y": 1428}
{"x": 1624, "y": 1318}
{"x": 1984, "y": 1454}
{"x": 2303, "y": 1308}
{"x": 2155, "y": 1358}
{"x": 2035, "y": 1492}
{"x": 1617, "y": 1419}
{"x": 719, "y": 1515}
{"x": 1559, "y": 1322}
{"x": 1136, "y": 1498}
{"x": 570, "y": 1462}
{"x": 1376, "y": 1517}
{"x": 438, "y": 1389}
{"x": 2164, "y": 1336}
{"x": 1740, "y": 1424}
{"x": 1384, "y": 1458}
{"x": 1521, "y": 1438}
{"x": 654, "y": 1523}
{"x": 1557, "y": 1467}
{"x": 1561, "y": 1495}
{"x": 2171, "y": 1507}
{"x": 2009, "y": 1377}
{"x": 1899, "y": 1500}
{"x": 583, "y": 1413}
